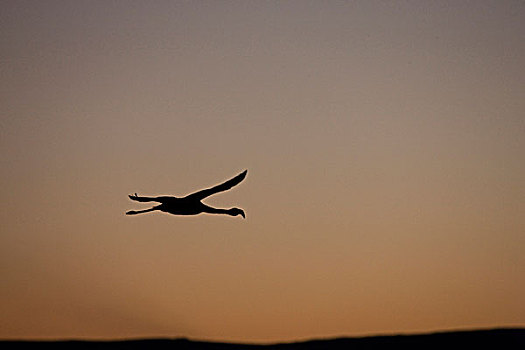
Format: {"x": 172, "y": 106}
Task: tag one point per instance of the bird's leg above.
{"x": 138, "y": 198}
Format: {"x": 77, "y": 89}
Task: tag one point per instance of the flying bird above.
{"x": 191, "y": 204}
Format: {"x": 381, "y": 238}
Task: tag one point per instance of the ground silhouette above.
{"x": 502, "y": 338}
{"x": 191, "y": 204}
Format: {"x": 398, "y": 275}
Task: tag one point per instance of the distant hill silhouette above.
{"x": 504, "y": 338}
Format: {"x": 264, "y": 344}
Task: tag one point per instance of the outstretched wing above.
{"x": 219, "y": 188}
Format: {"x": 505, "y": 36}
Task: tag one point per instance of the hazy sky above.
{"x": 384, "y": 142}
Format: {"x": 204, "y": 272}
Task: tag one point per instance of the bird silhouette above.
{"x": 191, "y": 204}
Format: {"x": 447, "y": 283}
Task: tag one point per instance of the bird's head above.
{"x": 236, "y": 211}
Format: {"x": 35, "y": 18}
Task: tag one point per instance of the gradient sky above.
{"x": 385, "y": 144}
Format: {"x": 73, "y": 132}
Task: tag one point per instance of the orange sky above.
{"x": 384, "y": 143}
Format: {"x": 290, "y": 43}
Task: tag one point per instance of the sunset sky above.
{"x": 385, "y": 148}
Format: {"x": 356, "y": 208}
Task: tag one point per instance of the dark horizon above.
{"x": 508, "y": 336}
